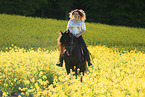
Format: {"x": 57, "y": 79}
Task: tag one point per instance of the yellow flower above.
{"x": 36, "y": 84}
{"x": 19, "y": 96}
{"x": 27, "y": 81}
{"x": 33, "y": 80}
{"x": 40, "y": 81}
{"x": 22, "y": 93}
{"x": 15, "y": 79}
{"x": 143, "y": 84}
{"x": 44, "y": 77}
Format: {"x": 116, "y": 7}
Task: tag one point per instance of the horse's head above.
{"x": 67, "y": 39}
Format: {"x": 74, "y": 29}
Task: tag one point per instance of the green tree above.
{"x": 122, "y": 12}
{"x": 23, "y": 7}
{"x": 66, "y": 6}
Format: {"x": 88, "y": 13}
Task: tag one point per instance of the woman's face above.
{"x": 76, "y": 15}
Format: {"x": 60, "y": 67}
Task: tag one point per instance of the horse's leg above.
{"x": 82, "y": 77}
{"x": 67, "y": 69}
{"x": 76, "y": 71}
{"x": 82, "y": 71}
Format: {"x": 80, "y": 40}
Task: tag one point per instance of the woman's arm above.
{"x": 83, "y": 31}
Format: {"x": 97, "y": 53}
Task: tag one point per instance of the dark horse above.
{"x": 72, "y": 53}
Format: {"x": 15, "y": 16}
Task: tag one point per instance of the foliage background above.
{"x": 116, "y": 12}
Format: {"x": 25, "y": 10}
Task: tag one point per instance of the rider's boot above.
{"x": 60, "y": 62}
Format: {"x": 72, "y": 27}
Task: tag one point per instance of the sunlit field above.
{"x": 29, "y": 52}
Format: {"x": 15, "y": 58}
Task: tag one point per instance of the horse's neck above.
{"x": 76, "y": 45}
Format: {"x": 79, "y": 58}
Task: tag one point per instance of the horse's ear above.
{"x": 61, "y": 32}
{"x": 68, "y": 30}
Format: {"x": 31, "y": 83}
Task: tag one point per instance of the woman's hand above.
{"x": 77, "y": 35}
{"x": 80, "y": 34}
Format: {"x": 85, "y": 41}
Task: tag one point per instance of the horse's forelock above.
{"x": 65, "y": 37}
{"x": 66, "y": 31}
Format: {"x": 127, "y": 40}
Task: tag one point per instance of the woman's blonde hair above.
{"x": 81, "y": 13}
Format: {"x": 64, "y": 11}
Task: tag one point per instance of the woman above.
{"x": 77, "y": 27}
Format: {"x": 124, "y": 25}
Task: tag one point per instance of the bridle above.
{"x": 69, "y": 48}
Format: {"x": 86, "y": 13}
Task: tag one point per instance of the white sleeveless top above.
{"x": 76, "y": 28}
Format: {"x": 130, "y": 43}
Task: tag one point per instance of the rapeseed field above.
{"x": 29, "y": 52}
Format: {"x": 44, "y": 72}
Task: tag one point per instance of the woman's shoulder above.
{"x": 71, "y": 20}
{"x": 82, "y": 21}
